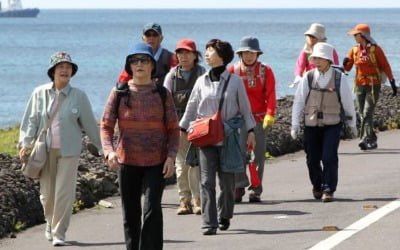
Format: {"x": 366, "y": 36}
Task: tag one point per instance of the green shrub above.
{"x": 9, "y": 140}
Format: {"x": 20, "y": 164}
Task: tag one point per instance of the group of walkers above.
{"x": 159, "y": 94}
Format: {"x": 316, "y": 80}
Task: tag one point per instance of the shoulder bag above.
{"x": 38, "y": 156}
{"x": 208, "y": 130}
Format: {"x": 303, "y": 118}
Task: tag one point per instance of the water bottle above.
{"x": 253, "y": 169}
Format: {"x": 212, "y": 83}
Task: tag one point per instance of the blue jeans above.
{"x": 321, "y": 145}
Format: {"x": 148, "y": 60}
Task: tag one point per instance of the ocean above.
{"x": 98, "y": 41}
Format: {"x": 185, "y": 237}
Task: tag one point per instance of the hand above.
{"x": 268, "y": 121}
{"x": 354, "y": 132}
{"x": 394, "y": 87}
{"x": 294, "y": 132}
{"x": 169, "y": 167}
{"x": 24, "y": 155}
{"x": 112, "y": 161}
{"x": 296, "y": 81}
{"x": 251, "y": 140}
{"x": 345, "y": 61}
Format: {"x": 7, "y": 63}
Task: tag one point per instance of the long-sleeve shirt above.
{"x": 262, "y": 95}
{"x": 145, "y": 138}
{"x": 205, "y": 97}
{"x": 303, "y": 64}
{"x": 75, "y": 114}
{"x": 365, "y": 66}
{"x": 323, "y": 81}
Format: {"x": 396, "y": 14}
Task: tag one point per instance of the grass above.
{"x": 9, "y": 140}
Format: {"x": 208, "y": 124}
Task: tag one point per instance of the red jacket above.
{"x": 262, "y": 95}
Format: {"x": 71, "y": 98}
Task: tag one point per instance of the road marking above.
{"x": 356, "y": 227}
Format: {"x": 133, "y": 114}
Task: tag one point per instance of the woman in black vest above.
{"x": 180, "y": 81}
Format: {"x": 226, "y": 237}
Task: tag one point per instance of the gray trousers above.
{"x": 210, "y": 164}
{"x": 241, "y": 179}
{"x": 367, "y": 97}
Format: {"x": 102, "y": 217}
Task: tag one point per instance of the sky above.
{"x": 133, "y": 4}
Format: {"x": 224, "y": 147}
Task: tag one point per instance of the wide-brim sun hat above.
{"x": 186, "y": 44}
{"x": 364, "y": 30}
{"x": 249, "y": 43}
{"x": 323, "y": 50}
{"x": 317, "y": 30}
{"x": 60, "y": 57}
{"x": 139, "y": 49}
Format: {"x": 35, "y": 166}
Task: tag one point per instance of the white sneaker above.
{"x": 47, "y": 232}
{"x": 58, "y": 242}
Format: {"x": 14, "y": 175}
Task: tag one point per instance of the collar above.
{"x": 157, "y": 53}
{"x": 65, "y": 91}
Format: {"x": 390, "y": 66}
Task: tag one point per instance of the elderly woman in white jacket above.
{"x": 324, "y": 97}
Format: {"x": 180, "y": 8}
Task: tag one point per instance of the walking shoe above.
{"x": 327, "y": 197}
{"x": 196, "y": 206}
{"x": 371, "y": 145}
{"x": 362, "y": 144}
{"x": 47, "y": 232}
{"x": 210, "y": 231}
{"x": 253, "y": 197}
{"x": 184, "y": 207}
{"x": 317, "y": 192}
{"x": 239, "y": 192}
{"x": 59, "y": 242}
{"x": 224, "y": 224}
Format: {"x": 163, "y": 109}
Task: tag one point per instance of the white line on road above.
{"x": 354, "y": 228}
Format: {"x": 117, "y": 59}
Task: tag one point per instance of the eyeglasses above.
{"x": 151, "y": 34}
{"x": 143, "y": 60}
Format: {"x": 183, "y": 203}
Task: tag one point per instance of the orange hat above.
{"x": 364, "y": 30}
{"x": 362, "y": 27}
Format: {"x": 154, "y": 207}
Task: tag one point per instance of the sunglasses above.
{"x": 151, "y": 34}
{"x": 143, "y": 60}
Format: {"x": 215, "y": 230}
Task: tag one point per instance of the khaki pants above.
{"x": 367, "y": 97}
{"x": 187, "y": 177}
{"x": 57, "y": 191}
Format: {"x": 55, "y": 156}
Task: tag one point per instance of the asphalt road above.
{"x": 365, "y": 214}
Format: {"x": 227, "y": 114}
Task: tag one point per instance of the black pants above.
{"x": 133, "y": 181}
{"x": 321, "y": 146}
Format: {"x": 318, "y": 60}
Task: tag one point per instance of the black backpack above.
{"x": 122, "y": 89}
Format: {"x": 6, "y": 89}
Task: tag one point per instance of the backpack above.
{"x": 261, "y": 74}
{"x": 381, "y": 75}
{"x": 122, "y": 89}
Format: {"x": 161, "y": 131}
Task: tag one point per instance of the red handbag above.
{"x": 208, "y": 130}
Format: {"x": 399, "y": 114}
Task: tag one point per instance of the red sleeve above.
{"x": 383, "y": 62}
{"x": 124, "y": 76}
{"x": 231, "y": 69}
{"x": 173, "y": 61}
{"x": 270, "y": 92}
{"x": 335, "y": 57}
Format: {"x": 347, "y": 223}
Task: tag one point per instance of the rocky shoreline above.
{"x": 19, "y": 196}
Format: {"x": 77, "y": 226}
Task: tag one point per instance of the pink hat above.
{"x": 187, "y": 44}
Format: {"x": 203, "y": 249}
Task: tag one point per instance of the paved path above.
{"x": 365, "y": 212}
